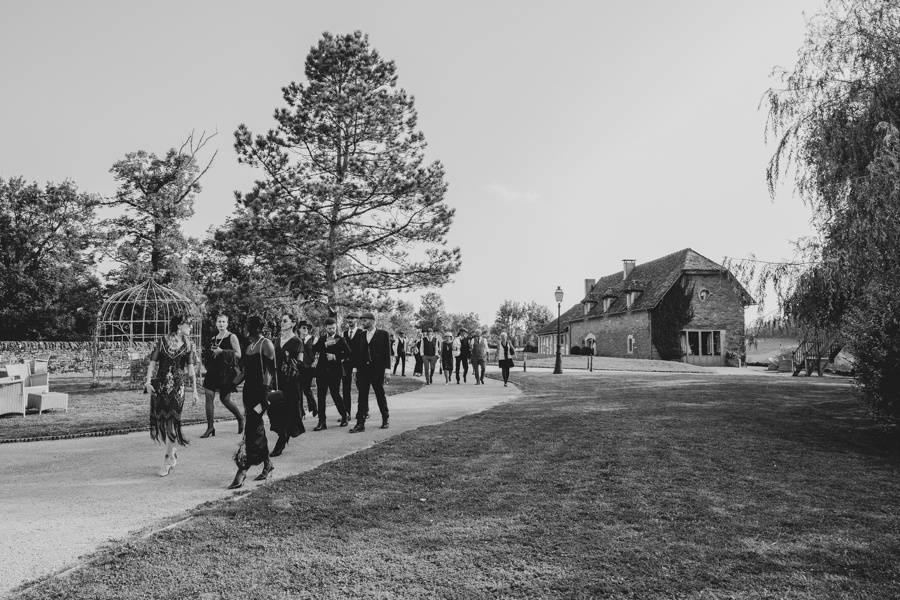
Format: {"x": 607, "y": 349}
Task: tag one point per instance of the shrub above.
{"x": 575, "y": 350}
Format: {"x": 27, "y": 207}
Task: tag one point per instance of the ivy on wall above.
{"x": 668, "y": 319}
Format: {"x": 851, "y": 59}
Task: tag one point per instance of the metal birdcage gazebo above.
{"x": 131, "y": 321}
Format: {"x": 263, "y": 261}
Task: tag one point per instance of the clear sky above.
{"x": 574, "y": 134}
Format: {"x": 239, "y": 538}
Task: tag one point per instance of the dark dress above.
{"x": 168, "y": 383}
{"x": 284, "y": 417}
{"x": 221, "y": 369}
{"x": 256, "y": 446}
{"x": 447, "y": 356}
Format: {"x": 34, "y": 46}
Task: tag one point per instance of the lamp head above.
{"x": 559, "y": 294}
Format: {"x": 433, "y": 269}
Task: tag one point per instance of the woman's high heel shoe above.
{"x": 210, "y": 432}
{"x": 238, "y": 480}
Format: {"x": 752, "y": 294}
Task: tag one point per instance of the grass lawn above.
{"x": 624, "y": 486}
{"x": 104, "y": 409}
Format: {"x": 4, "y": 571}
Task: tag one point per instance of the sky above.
{"x": 574, "y": 134}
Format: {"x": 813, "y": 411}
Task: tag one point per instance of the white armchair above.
{"x": 12, "y": 396}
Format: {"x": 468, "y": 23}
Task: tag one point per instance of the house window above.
{"x": 630, "y": 344}
{"x": 702, "y": 343}
{"x": 606, "y": 304}
{"x": 630, "y": 297}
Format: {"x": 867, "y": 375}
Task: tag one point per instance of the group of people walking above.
{"x": 277, "y": 378}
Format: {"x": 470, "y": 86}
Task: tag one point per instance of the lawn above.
{"x": 589, "y": 486}
{"x": 106, "y": 409}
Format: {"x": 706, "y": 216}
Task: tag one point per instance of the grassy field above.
{"x": 106, "y": 410}
{"x": 590, "y": 486}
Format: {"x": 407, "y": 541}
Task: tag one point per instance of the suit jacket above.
{"x": 375, "y": 354}
{"x": 353, "y": 343}
{"x": 336, "y": 346}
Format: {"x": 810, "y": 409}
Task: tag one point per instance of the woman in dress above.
{"x": 505, "y": 354}
{"x": 286, "y": 417}
{"x": 417, "y": 355}
{"x": 171, "y": 363}
{"x": 447, "y": 357}
{"x": 259, "y": 370}
{"x": 221, "y": 364}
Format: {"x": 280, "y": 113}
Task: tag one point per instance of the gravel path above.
{"x": 62, "y": 499}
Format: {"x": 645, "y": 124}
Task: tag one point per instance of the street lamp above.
{"x": 559, "y": 298}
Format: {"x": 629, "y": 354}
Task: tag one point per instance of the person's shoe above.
{"x": 279, "y": 447}
{"x": 358, "y": 428}
{"x": 240, "y": 426}
{"x": 210, "y": 432}
{"x": 320, "y": 426}
{"x": 164, "y": 470}
{"x": 238, "y": 480}
{"x": 314, "y": 411}
{"x": 264, "y": 474}
{"x": 504, "y": 384}
{"x": 343, "y": 422}
{"x": 384, "y": 423}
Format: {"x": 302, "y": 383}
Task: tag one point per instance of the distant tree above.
{"x": 835, "y": 118}
{"x": 509, "y": 318}
{"x": 47, "y": 286}
{"x": 431, "y": 312}
{"x": 468, "y": 321}
{"x": 535, "y": 316}
{"x": 156, "y": 195}
{"x": 402, "y": 318}
{"x": 345, "y": 169}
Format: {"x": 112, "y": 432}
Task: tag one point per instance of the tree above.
{"x": 402, "y": 318}
{"x": 835, "y": 118}
{"x": 47, "y": 290}
{"x": 535, "y": 316}
{"x": 157, "y": 195}
{"x": 345, "y": 170}
{"x": 510, "y": 318}
{"x": 468, "y": 321}
{"x": 431, "y": 313}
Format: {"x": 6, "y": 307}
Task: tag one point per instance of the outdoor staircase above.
{"x": 815, "y": 351}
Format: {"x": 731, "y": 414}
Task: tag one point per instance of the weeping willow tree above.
{"x": 834, "y": 119}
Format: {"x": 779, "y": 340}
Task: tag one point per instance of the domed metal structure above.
{"x": 130, "y": 322}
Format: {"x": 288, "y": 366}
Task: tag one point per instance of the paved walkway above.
{"x": 62, "y": 499}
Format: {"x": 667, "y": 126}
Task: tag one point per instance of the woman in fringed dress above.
{"x": 171, "y": 364}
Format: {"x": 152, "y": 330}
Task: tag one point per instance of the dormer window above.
{"x": 607, "y": 302}
{"x": 630, "y": 297}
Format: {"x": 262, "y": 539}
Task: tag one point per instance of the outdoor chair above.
{"x": 36, "y": 393}
{"x": 12, "y": 396}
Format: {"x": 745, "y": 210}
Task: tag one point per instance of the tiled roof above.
{"x": 653, "y": 278}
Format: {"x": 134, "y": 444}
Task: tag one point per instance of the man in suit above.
{"x": 351, "y": 336}
{"x": 373, "y": 352}
{"x": 479, "y": 355}
{"x": 400, "y": 355}
{"x": 306, "y": 370}
{"x": 465, "y": 351}
{"x": 331, "y": 351}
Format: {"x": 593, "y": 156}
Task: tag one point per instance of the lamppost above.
{"x": 559, "y": 298}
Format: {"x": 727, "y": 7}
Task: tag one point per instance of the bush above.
{"x": 532, "y": 348}
{"x": 575, "y": 350}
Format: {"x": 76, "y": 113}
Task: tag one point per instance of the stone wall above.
{"x": 722, "y": 309}
{"x": 612, "y": 335}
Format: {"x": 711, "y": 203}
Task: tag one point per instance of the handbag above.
{"x": 276, "y": 395}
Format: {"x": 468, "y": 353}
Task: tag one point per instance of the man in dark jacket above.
{"x": 306, "y": 371}
{"x": 373, "y": 355}
{"x": 331, "y": 350}
{"x": 465, "y": 351}
{"x": 400, "y": 355}
{"x": 351, "y": 336}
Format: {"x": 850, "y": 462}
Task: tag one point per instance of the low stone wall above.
{"x": 75, "y": 357}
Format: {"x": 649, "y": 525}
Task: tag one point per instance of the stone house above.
{"x": 616, "y": 316}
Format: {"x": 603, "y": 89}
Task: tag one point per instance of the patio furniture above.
{"x": 12, "y": 396}
{"x": 33, "y": 384}
{"x": 45, "y": 401}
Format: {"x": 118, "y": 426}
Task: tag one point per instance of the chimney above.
{"x": 588, "y": 284}
{"x": 627, "y": 267}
